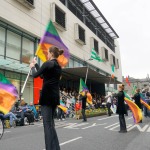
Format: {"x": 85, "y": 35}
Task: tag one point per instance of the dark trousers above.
{"x": 122, "y": 122}
{"x": 51, "y": 139}
{"x": 60, "y": 113}
{"x": 29, "y": 116}
{"x": 108, "y": 107}
{"x": 83, "y": 115}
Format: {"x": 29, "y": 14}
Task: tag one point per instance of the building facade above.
{"x": 80, "y": 25}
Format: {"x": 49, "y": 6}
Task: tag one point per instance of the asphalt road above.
{"x": 99, "y": 133}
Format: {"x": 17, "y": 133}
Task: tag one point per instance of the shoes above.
{"x": 31, "y": 123}
{"x": 123, "y": 131}
{"x": 84, "y": 120}
{"x": 63, "y": 119}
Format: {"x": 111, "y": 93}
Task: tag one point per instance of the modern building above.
{"x": 80, "y": 25}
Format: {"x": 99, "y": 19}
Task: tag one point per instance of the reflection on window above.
{"x": 13, "y": 46}
{"x": 76, "y": 64}
{"x": 27, "y": 51}
{"x": 2, "y": 41}
{"x": 71, "y": 63}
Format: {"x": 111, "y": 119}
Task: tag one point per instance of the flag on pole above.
{"x": 127, "y": 80}
{"x": 113, "y": 68}
{"x": 134, "y": 89}
{"x": 83, "y": 88}
{"x": 52, "y": 38}
{"x": 8, "y": 94}
{"x": 95, "y": 56}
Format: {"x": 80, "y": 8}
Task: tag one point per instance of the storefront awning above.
{"x": 14, "y": 65}
{"x": 80, "y": 72}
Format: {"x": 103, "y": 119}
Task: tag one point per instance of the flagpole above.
{"x": 22, "y": 90}
{"x": 86, "y": 74}
{"x": 25, "y": 82}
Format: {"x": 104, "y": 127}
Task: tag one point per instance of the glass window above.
{"x": 60, "y": 17}
{"x": 13, "y": 45}
{"x": 76, "y": 64}
{"x": 81, "y": 34}
{"x": 2, "y": 41}
{"x": 27, "y": 51}
{"x": 71, "y": 63}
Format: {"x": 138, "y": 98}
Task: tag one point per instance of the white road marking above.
{"x": 130, "y": 118}
{"x": 94, "y": 125}
{"x": 111, "y": 125}
{"x": 69, "y": 141}
{"x": 139, "y": 128}
{"x": 75, "y": 125}
{"x": 107, "y": 117}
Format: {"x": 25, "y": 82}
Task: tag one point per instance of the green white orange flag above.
{"x": 95, "y": 56}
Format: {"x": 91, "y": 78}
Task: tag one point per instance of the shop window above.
{"x": 13, "y": 47}
{"x": 27, "y": 51}
{"x": 2, "y": 41}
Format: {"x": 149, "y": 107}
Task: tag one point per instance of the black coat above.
{"x": 121, "y": 109}
{"x": 83, "y": 99}
{"x": 50, "y": 71}
{"x": 137, "y": 98}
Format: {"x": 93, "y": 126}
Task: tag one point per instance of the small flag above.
{"x": 127, "y": 80}
{"x": 95, "y": 56}
{"x": 113, "y": 68}
{"x": 82, "y": 88}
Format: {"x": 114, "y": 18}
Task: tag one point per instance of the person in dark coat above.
{"x": 137, "y": 99}
{"x": 83, "y": 97}
{"x": 121, "y": 109}
{"x": 50, "y": 71}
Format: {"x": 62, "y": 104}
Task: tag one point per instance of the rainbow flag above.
{"x": 62, "y": 106}
{"x": 137, "y": 113}
{"x": 51, "y": 38}
{"x": 82, "y": 88}
{"x": 143, "y": 101}
{"x": 8, "y": 94}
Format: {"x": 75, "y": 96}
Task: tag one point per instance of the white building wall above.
{"x": 34, "y": 21}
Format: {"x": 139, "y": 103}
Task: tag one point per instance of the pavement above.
{"x": 98, "y": 133}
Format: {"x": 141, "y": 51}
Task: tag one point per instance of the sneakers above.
{"x": 63, "y": 119}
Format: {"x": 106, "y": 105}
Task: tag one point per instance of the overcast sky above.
{"x": 131, "y": 21}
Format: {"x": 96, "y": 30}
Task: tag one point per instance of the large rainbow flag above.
{"x": 82, "y": 88}
{"x": 136, "y": 111}
{"x": 8, "y": 94}
{"x": 51, "y": 38}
